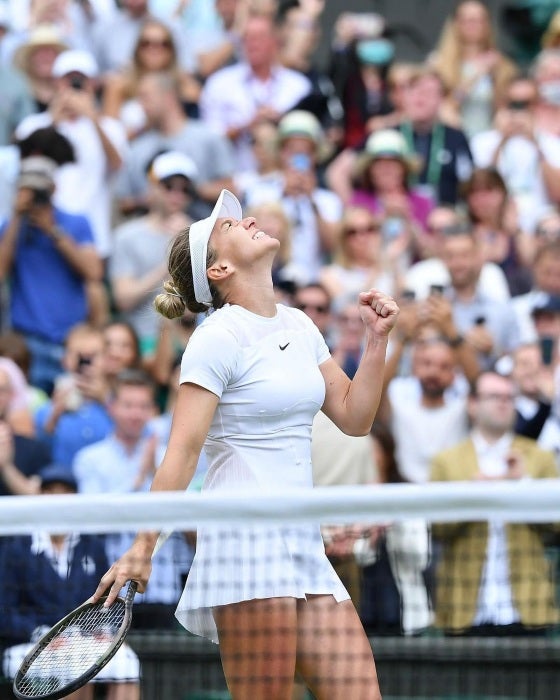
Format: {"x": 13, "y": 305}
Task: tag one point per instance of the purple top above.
{"x": 420, "y": 204}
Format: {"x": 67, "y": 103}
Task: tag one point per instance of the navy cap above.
{"x": 54, "y": 473}
{"x": 546, "y": 303}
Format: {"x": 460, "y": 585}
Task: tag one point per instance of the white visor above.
{"x": 227, "y": 205}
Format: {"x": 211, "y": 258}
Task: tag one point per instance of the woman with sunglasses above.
{"x": 155, "y": 52}
{"x": 360, "y": 259}
{"x": 253, "y": 375}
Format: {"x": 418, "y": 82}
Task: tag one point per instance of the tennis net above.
{"x": 455, "y": 585}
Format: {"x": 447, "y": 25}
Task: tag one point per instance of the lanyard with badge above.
{"x": 435, "y": 162}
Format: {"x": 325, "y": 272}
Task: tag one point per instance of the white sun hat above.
{"x": 226, "y": 205}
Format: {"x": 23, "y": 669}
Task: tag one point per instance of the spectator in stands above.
{"x": 430, "y": 271}
{"x": 14, "y": 347}
{"x": 315, "y": 301}
{"x": 223, "y": 46}
{"x": 77, "y": 414}
{"x": 21, "y": 457}
{"x": 300, "y": 35}
{"x": 443, "y": 150}
{"x": 99, "y": 143}
{"x": 121, "y": 349}
{"x": 126, "y": 24}
{"x": 514, "y": 140}
{"x": 263, "y": 138}
{"x": 169, "y": 129}
{"x": 48, "y": 255}
{"x": 546, "y": 71}
{"x": 348, "y": 337}
{"x": 125, "y": 462}
{"x": 395, "y": 559}
{"x": 258, "y": 88}
{"x": 341, "y": 459}
{"x": 16, "y": 99}
{"x": 18, "y": 414}
{"x": 359, "y": 258}
{"x": 483, "y": 323}
{"x": 546, "y": 280}
{"x": 44, "y": 577}
{"x": 313, "y": 211}
{"x": 427, "y": 409}
{"x": 359, "y": 60}
{"x": 155, "y": 51}
{"x": 138, "y": 264}
{"x": 534, "y": 390}
{"x": 547, "y": 229}
{"x": 493, "y": 215}
{"x": 494, "y": 578}
{"x": 35, "y": 59}
{"x": 384, "y": 169}
{"x": 474, "y": 70}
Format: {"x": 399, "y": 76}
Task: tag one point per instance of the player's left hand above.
{"x": 379, "y": 312}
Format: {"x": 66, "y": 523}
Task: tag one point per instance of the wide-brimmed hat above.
{"x": 42, "y": 35}
{"x": 227, "y": 204}
{"x": 303, "y": 124}
{"x": 387, "y": 143}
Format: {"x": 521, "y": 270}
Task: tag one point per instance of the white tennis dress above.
{"x": 266, "y": 373}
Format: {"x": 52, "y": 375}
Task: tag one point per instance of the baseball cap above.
{"x": 387, "y": 143}
{"x": 54, "y": 473}
{"x": 37, "y": 173}
{"x": 173, "y": 163}
{"x": 227, "y": 204}
{"x": 75, "y": 61}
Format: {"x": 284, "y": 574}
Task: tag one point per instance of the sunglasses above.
{"x": 356, "y": 230}
{"x": 171, "y": 186}
{"x": 155, "y": 43}
{"x": 320, "y": 309}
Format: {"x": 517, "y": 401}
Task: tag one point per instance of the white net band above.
{"x": 526, "y": 501}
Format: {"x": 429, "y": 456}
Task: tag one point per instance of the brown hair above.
{"x": 179, "y": 290}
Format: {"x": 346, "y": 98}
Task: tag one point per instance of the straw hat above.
{"x": 387, "y": 143}
{"x": 303, "y": 124}
{"x": 42, "y": 35}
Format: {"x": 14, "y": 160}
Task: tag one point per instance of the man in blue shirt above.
{"x": 48, "y": 256}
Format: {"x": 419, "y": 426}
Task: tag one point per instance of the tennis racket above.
{"x": 73, "y": 652}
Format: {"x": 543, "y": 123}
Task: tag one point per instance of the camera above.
{"x": 77, "y": 82}
{"x": 41, "y": 197}
{"x": 300, "y": 162}
{"x": 84, "y": 361}
{"x": 392, "y": 227}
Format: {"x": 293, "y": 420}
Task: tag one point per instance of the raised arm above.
{"x": 352, "y": 404}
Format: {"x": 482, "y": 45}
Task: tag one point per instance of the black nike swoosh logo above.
{"x": 283, "y": 347}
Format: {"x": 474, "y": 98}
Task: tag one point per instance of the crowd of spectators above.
{"x": 437, "y": 182}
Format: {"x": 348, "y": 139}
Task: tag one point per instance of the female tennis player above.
{"x": 253, "y": 375}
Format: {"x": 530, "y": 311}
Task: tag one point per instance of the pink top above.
{"x": 420, "y": 204}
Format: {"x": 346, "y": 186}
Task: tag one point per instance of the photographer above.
{"x": 515, "y": 141}
{"x": 48, "y": 256}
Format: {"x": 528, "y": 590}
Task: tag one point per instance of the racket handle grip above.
{"x": 131, "y": 591}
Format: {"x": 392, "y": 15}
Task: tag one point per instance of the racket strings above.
{"x": 73, "y": 650}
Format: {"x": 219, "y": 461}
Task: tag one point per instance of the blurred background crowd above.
{"x": 436, "y": 180}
